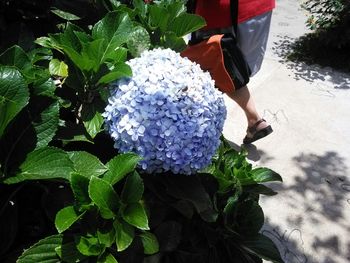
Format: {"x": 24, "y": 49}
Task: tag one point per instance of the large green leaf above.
{"x": 120, "y": 166}
{"x": 69, "y": 253}
{"x": 65, "y": 218}
{"x": 17, "y": 57}
{"x": 92, "y": 118}
{"x": 92, "y": 53}
{"x": 14, "y": 95}
{"x": 150, "y": 243}
{"x": 87, "y": 164}
{"x": 190, "y": 188}
{"x": 58, "y": 68}
{"x": 43, "y": 251}
{"x": 89, "y": 246}
{"x": 114, "y": 28}
{"x": 174, "y": 42}
{"x": 107, "y": 258}
{"x": 262, "y": 174}
{"x": 80, "y": 188}
{"x": 124, "y": 234}
{"x": 138, "y": 41}
{"x": 121, "y": 70}
{"x": 257, "y": 175}
{"x": 263, "y": 247}
{"x": 250, "y": 219}
{"x": 158, "y": 17}
{"x": 133, "y": 189}
{"x": 44, "y": 88}
{"x": 106, "y": 235}
{"x": 140, "y": 7}
{"x": 72, "y": 132}
{"x": 46, "y": 125}
{"x": 44, "y": 163}
{"x": 186, "y": 23}
{"x": 259, "y": 189}
{"x": 65, "y": 15}
{"x": 104, "y": 196}
{"x": 135, "y": 215}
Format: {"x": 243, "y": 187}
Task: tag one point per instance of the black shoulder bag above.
{"x": 234, "y": 60}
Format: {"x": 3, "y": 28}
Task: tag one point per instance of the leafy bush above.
{"x": 331, "y": 20}
{"x": 329, "y": 43}
{"x": 325, "y": 13}
{"x": 66, "y": 188}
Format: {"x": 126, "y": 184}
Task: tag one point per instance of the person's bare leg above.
{"x": 243, "y": 98}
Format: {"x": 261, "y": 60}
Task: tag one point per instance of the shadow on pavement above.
{"x": 322, "y": 192}
{"x": 310, "y": 73}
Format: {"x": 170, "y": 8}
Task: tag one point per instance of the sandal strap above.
{"x": 253, "y": 128}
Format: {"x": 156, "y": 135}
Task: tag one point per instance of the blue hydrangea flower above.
{"x": 169, "y": 112}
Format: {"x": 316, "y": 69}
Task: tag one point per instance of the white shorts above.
{"x": 252, "y": 38}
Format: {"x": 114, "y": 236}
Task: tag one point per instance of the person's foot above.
{"x": 258, "y": 130}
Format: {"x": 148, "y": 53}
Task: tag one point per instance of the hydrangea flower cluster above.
{"x": 169, "y": 112}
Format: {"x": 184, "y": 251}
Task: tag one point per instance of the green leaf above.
{"x": 17, "y": 57}
{"x": 47, "y": 42}
{"x": 106, "y": 236}
{"x": 104, "y": 196}
{"x": 140, "y": 7}
{"x": 138, "y": 41}
{"x": 174, "y": 42}
{"x": 65, "y": 15}
{"x": 58, "y": 68}
{"x": 107, "y": 258}
{"x": 44, "y": 163}
{"x": 186, "y": 23}
{"x": 263, "y": 247}
{"x": 80, "y": 188}
{"x": 65, "y": 218}
{"x": 92, "y": 54}
{"x": 191, "y": 189}
{"x": 44, "y": 88}
{"x": 120, "y": 166}
{"x": 231, "y": 204}
{"x": 14, "y": 95}
{"x": 169, "y": 235}
{"x": 47, "y": 125}
{"x": 39, "y": 54}
{"x": 150, "y": 243}
{"x": 89, "y": 246}
{"x": 124, "y": 234}
{"x": 72, "y": 132}
{"x": 133, "y": 189}
{"x": 114, "y": 28}
{"x": 158, "y": 17}
{"x": 261, "y": 175}
{"x": 92, "y": 119}
{"x": 259, "y": 189}
{"x": 69, "y": 253}
{"x": 135, "y": 215}
{"x": 251, "y": 218}
{"x": 121, "y": 70}
{"x": 42, "y": 251}
{"x": 87, "y": 164}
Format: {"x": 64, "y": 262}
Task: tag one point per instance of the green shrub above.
{"x": 68, "y": 196}
{"x": 331, "y": 21}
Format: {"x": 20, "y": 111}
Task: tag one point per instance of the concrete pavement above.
{"x": 309, "y": 109}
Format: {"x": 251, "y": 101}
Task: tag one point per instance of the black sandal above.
{"x": 257, "y": 134}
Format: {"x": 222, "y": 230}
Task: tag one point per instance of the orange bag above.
{"x": 208, "y": 54}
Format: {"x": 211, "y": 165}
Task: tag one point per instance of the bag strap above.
{"x": 234, "y": 14}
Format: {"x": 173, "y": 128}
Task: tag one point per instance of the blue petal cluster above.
{"x": 169, "y": 112}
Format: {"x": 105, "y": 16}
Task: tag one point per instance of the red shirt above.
{"x": 217, "y": 13}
